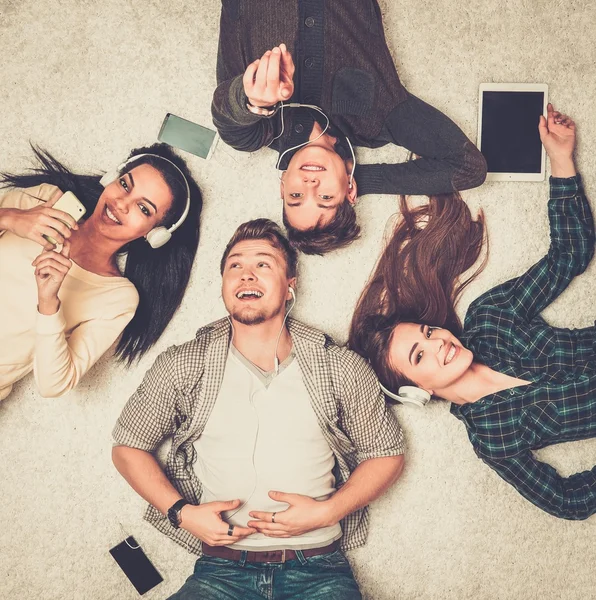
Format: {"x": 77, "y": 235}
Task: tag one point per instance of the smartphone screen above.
{"x": 187, "y": 136}
{"x": 136, "y": 566}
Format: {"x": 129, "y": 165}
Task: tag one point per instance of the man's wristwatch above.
{"x": 174, "y": 512}
{"x": 262, "y": 111}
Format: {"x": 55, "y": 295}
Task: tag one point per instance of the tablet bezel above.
{"x": 513, "y": 87}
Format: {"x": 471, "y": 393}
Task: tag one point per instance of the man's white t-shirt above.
{"x": 263, "y": 435}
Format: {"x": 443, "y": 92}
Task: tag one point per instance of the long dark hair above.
{"x": 418, "y": 278}
{"x": 160, "y": 275}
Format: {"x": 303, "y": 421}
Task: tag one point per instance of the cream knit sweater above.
{"x": 62, "y": 347}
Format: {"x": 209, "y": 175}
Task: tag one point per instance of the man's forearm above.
{"x": 145, "y": 476}
{"x": 369, "y": 480}
{"x": 236, "y": 125}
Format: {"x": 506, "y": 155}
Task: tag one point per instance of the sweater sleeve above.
{"x": 60, "y": 363}
{"x": 447, "y": 160}
{"x": 24, "y": 199}
{"x": 237, "y": 126}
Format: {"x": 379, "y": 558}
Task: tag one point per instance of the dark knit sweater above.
{"x": 343, "y": 66}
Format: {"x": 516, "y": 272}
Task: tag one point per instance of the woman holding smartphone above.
{"x": 62, "y": 307}
{"x": 517, "y": 383}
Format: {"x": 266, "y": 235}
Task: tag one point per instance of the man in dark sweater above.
{"x": 332, "y": 56}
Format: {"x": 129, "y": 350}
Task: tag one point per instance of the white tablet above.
{"x": 508, "y": 130}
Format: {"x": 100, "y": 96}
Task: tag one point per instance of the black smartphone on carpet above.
{"x": 136, "y": 566}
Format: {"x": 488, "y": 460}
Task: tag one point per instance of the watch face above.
{"x": 174, "y": 512}
{"x": 174, "y": 517}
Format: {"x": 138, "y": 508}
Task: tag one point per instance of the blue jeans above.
{"x": 323, "y": 577}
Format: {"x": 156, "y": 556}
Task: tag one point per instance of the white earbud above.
{"x": 158, "y": 236}
{"x": 275, "y": 359}
{"x": 409, "y": 394}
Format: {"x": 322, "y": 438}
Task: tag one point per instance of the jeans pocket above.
{"x": 333, "y": 560}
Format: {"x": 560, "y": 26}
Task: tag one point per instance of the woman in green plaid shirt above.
{"x": 517, "y": 383}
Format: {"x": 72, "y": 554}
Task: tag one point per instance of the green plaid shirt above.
{"x": 505, "y": 331}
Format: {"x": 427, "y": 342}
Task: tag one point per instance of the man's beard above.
{"x": 251, "y": 316}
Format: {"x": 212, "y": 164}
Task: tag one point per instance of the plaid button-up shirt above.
{"x": 178, "y": 392}
{"x": 505, "y": 331}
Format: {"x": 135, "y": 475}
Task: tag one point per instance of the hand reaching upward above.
{"x": 557, "y": 133}
{"x": 269, "y": 79}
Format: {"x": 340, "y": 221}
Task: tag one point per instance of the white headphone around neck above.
{"x": 158, "y": 236}
{"x": 313, "y": 107}
{"x": 409, "y": 394}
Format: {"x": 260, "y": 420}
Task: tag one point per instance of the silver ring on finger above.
{"x": 273, "y": 517}
{"x": 230, "y": 530}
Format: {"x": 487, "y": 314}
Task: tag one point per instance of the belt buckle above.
{"x": 283, "y": 555}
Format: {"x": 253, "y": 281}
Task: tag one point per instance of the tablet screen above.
{"x": 509, "y": 138}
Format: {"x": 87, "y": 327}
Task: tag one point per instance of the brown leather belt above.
{"x": 266, "y": 556}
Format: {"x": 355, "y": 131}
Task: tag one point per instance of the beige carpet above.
{"x": 90, "y": 80}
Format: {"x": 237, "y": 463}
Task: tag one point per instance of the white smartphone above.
{"x": 188, "y": 136}
{"x": 70, "y": 204}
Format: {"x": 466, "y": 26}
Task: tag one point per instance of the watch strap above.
{"x": 262, "y": 111}
{"x": 174, "y": 512}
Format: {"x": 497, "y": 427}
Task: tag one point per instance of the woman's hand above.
{"x": 557, "y": 133}
{"x": 270, "y": 78}
{"x": 51, "y": 268}
{"x": 34, "y": 223}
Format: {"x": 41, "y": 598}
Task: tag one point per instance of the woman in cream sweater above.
{"x": 62, "y": 307}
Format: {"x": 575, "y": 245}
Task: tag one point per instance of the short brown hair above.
{"x": 341, "y": 231}
{"x": 263, "y": 229}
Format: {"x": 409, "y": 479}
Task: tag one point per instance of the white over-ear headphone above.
{"x": 409, "y": 394}
{"x": 158, "y": 236}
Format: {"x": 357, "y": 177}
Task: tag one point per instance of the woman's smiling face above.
{"x": 431, "y": 357}
{"x": 133, "y": 204}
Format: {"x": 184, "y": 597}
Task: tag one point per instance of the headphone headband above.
{"x": 158, "y": 236}
{"x": 408, "y": 394}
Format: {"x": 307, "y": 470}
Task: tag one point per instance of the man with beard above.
{"x": 311, "y": 79}
{"x": 280, "y": 440}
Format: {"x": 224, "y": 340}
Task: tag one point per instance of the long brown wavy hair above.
{"x": 418, "y": 278}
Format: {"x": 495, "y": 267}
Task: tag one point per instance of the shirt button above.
{"x": 309, "y": 62}
{"x": 511, "y": 392}
{"x": 309, "y": 21}
{"x": 299, "y": 128}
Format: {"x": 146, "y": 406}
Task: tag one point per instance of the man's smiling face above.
{"x": 255, "y": 282}
{"x": 313, "y": 186}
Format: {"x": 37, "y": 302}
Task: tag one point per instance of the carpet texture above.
{"x": 91, "y": 80}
